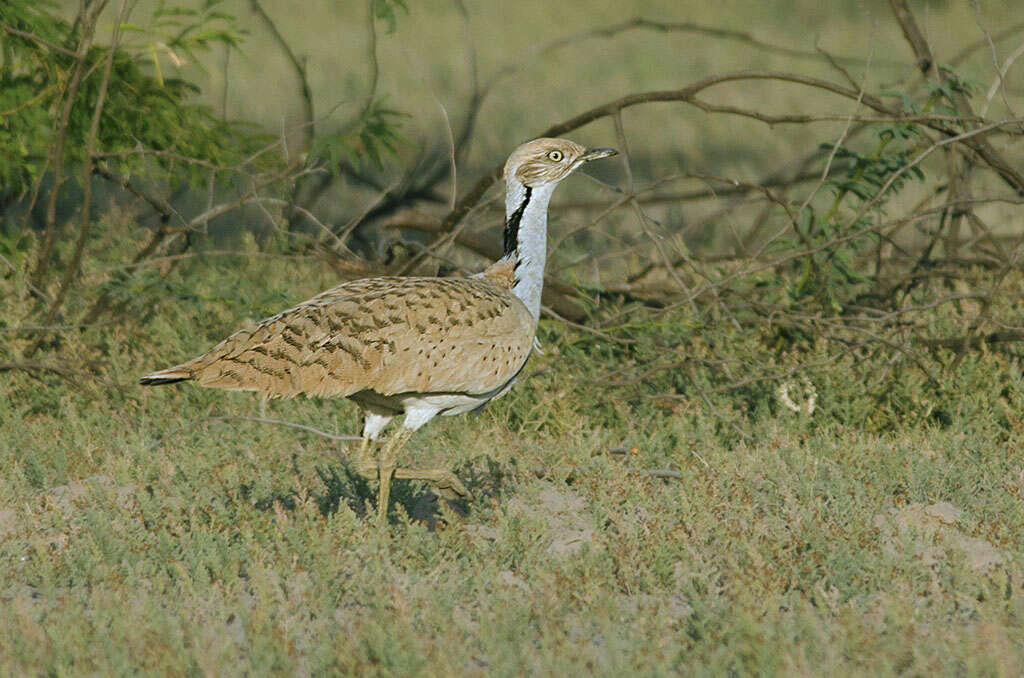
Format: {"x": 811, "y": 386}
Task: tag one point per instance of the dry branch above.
{"x": 87, "y": 21}
{"x": 926, "y": 64}
{"x": 258, "y": 420}
{"x": 85, "y": 225}
{"x": 959, "y": 267}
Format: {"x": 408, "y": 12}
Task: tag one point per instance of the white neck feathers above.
{"x": 526, "y": 228}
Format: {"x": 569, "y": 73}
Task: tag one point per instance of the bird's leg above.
{"x": 366, "y": 465}
{"x": 388, "y": 462}
{"x": 448, "y": 484}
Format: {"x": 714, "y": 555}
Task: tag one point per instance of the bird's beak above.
{"x": 595, "y": 153}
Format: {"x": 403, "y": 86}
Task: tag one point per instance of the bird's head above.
{"x": 548, "y": 161}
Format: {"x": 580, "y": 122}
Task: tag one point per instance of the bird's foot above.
{"x": 365, "y": 465}
{"x": 446, "y": 483}
{"x": 367, "y": 469}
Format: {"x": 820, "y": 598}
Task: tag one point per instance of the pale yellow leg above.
{"x": 386, "y": 469}
{"x": 373, "y": 424}
{"x": 388, "y": 463}
{"x": 365, "y": 464}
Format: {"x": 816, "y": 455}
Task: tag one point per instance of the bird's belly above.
{"x": 447, "y": 405}
{"x": 442, "y": 403}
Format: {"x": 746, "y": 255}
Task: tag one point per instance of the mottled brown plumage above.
{"x": 418, "y": 347}
{"x": 385, "y": 335}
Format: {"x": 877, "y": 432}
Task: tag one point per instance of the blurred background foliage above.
{"x": 838, "y": 186}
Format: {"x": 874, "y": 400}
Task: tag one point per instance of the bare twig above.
{"x": 87, "y": 20}
{"x": 153, "y": 261}
{"x": 973, "y": 340}
{"x": 667, "y": 474}
{"x": 966, "y": 52}
{"x": 31, "y": 366}
{"x": 997, "y": 84}
{"x": 162, "y": 207}
{"x": 53, "y": 328}
{"x": 42, "y": 41}
{"x": 641, "y": 23}
{"x": 166, "y": 233}
{"x": 72, "y": 270}
{"x": 451, "y": 155}
{"x": 926, "y": 64}
{"x": 259, "y": 420}
{"x": 688, "y": 95}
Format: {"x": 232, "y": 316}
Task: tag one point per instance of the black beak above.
{"x": 596, "y": 153}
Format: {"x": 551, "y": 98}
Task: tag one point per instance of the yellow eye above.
{"x": 556, "y": 156}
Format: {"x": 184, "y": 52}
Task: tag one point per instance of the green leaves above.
{"x": 372, "y": 136}
{"x": 184, "y": 30}
{"x": 36, "y": 18}
{"x": 952, "y": 83}
{"x": 14, "y": 247}
{"x": 387, "y": 11}
{"x": 149, "y": 123}
{"x": 830, "y": 275}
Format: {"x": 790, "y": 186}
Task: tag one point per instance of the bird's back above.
{"x": 387, "y": 335}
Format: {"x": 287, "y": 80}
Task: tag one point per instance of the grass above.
{"x": 133, "y": 539}
{"x": 881, "y": 535}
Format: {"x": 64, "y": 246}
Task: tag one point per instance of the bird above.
{"x": 415, "y": 347}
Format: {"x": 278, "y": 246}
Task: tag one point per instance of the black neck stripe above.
{"x": 512, "y": 224}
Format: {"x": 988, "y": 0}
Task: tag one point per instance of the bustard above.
{"x": 413, "y": 346}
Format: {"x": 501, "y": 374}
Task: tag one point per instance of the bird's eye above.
{"x": 556, "y": 156}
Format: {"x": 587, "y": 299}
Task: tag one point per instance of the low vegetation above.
{"x": 775, "y": 426}
{"x": 613, "y": 530}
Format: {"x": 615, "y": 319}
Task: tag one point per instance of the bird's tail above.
{"x": 171, "y": 375}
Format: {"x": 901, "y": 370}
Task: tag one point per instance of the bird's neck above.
{"x": 526, "y": 229}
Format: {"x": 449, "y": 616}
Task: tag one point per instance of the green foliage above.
{"x": 952, "y": 84}
{"x": 14, "y": 247}
{"x": 27, "y": 78}
{"x": 185, "y": 30}
{"x": 387, "y": 11}
{"x": 829, "y": 277}
{"x": 372, "y": 136}
{"x": 140, "y": 292}
{"x": 148, "y": 124}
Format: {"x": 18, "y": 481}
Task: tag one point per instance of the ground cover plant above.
{"x": 777, "y": 420}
